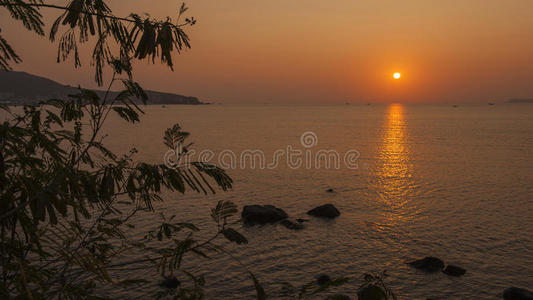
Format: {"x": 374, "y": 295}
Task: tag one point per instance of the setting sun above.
{"x": 397, "y": 75}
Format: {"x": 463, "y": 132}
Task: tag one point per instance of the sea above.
{"x": 410, "y": 181}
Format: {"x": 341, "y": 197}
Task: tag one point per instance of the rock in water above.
{"x": 258, "y": 214}
{"x": 371, "y": 292}
{"x": 291, "y": 225}
{"x": 514, "y": 293}
{"x": 428, "y": 264}
{"x": 452, "y": 270}
{"x": 325, "y": 211}
{"x": 323, "y": 279}
{"x": 330, "y": 190}
{"x": 301, "y": 220}
{"x": 170, "y": 282}
{"x": 338, "y": 297}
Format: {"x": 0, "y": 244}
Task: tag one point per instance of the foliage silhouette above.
{"x": 67, "y": 200}
{"x": 134, "y": 36}
{"x": 374, "y": 288}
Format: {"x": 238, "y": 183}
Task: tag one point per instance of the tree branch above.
{"x": 112, "y": 17}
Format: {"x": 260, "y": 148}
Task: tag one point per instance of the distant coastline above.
{"x": 521, "y": 100}
{"x": 20, "y": 88}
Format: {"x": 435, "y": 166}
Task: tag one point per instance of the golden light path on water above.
{"x": 394, "y": 184}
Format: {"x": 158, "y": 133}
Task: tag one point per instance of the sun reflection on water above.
{"x": 393, "y": 175}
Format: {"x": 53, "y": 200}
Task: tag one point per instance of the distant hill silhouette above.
{"x": 520, "y": 100}
{"x": 18, "y": 88}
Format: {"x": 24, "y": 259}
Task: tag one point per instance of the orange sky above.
{"x": 290, "y": 51}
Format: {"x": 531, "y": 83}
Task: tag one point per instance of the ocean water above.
{"x": 456, "y": 183}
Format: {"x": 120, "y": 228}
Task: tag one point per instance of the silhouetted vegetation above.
{"x": 67, "y": 201}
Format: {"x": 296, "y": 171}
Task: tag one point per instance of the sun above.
{"x": 397, "y": 75}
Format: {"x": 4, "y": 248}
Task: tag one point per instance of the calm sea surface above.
{"x": 456, "y": 183}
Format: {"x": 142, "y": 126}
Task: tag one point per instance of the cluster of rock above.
{"x": 514, "y": 293}
{"x": 262, "y": 214}
{"x": 432, "y": 264}
{"x": 269, "y": 214}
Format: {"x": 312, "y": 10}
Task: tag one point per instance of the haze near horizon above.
{"x": 326, "y": 52}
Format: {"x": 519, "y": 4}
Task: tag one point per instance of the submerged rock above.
{"x": 338, "y": 297}
{"x": 323, "y": 279}
{"x": 262, "y": 214}
{"x": 428, "y": 264}
{"x": 330, "y": 191}
{"x": 170, "y": 282}
{"x": 291, "y": 225}
{"x": 514, "y": 293}
{"x": 301, "y": 220}
{"x": 325, "y": 211}
{"x": 371, "y": 292}
{"x": 452, "y": 270}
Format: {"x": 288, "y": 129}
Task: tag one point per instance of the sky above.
{"x": 337, "y": 51}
